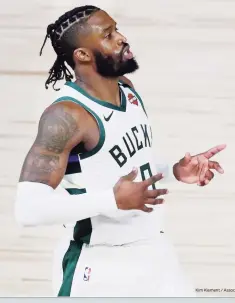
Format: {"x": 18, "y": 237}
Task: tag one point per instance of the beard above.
{"x": 108, "y": 67}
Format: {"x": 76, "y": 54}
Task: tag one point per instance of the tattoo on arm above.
{"x": 43, "y": 163}
{"x": 38, "y": 167}
{"x": 56, "y": 130}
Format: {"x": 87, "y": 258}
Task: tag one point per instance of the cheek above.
{"x": 108, "y": 47}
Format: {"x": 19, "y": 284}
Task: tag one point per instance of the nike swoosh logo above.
{"x": 109, "y": 117}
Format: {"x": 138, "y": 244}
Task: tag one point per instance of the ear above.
{"x": 82, "y": 55}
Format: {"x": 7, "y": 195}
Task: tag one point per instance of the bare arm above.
{"x": 58, "y": 133}
{"x": 37, "y": 203}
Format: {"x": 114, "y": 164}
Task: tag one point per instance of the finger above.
{"x": 146, "y": 183}
{"x": 203, "y": 169}
{"x": 213, "y": 151}
{"x": 215, "y": 165}
{"x": 132, "y": 175}
{"x": 204, "y": 183}
{"x": 156, "y": 193}
{"x": 208, "y": 177}
{"x": 154, "y": 201}
{"x": 146, "y": 209}
{"x": 186, "y": 160}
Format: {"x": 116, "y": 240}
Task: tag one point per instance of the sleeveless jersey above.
{"x": 125, "y": 142}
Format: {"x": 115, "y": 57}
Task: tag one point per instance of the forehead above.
{"x": 100, "y": 20}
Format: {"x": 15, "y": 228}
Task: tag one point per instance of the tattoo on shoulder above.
{"x": 55, "y": 130}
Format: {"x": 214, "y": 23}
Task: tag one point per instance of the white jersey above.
{"x": 109, "y": 255}
{"x": 125, "y": 142}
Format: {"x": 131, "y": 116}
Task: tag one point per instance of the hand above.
{"x": 197, "y": 169}
{"x": 134, "y": 195}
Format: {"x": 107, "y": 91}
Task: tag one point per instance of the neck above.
{"x": 99, "y": 87}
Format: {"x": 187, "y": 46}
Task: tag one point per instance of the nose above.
{"x": 121, "y": 40}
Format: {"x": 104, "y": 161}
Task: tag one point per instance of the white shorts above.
{"x": 135, "y": 270}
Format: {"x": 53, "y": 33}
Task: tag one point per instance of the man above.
{"x": 91, "y": 169}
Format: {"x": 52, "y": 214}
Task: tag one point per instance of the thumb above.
{"x": 132, "y": 175}
{"x": 185, "y": 161}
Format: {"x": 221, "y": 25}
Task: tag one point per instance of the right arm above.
{"x": 61, "y": 128}
{"x": 37, "y": 202}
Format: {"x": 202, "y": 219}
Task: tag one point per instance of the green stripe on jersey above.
{"x": 82, "y": 235}
{"x": 69, "y": 264}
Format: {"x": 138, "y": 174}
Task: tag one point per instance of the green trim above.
{"x": 82, "y": 231}
{"x": 82, "y": 235}
{"x": 76, "y": 191}
{"x": 122, "y": 107}
{"x": 122, "y": 82}
{"x": 69, "y": 264}
{"x": 98, "y": 120}
{"x": 141, "y": 101}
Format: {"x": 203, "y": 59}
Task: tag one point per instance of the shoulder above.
{"x": 63, "y": 123}
{"x": 126, "y": 81}
{"x": 65, "y": 106}
{"x": 63, "y": 114}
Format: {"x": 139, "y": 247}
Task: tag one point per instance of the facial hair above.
{"x": 108, "y": 67}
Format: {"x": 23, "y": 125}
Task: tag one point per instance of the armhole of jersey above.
{"x": 135, "y": 92}
{"x": 99, "y": 122}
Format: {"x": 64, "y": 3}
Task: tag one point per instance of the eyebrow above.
{"x": 109, "y": 27}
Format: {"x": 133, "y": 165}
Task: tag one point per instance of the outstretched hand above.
{"x": 198, "y": 168}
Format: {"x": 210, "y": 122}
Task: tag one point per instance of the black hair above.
{"x": 64, "y": 39}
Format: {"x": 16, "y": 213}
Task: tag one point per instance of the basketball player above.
{"x": 91, "y": 169}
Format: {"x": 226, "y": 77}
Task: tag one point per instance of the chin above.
{"x": 129, "y": 66}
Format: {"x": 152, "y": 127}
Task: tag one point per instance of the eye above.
{"x": 108, "y": 36}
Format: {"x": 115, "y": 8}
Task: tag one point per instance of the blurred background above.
{"x": 185, "y": 49}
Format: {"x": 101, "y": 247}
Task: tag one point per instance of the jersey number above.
{"x": 146, "y": 173}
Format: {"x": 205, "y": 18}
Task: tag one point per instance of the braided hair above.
{"x": 63, "y": 36}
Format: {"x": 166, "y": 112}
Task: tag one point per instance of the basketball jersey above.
{"x": 125, "y": 142}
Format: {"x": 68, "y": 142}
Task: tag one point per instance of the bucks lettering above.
{"x": 133, "y": 141}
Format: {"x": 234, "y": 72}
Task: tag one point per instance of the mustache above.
{"x": 124, "y": 46}
{"x": 122, "y": 51}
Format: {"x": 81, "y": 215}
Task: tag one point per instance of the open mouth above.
{"x": 127, "y": 54}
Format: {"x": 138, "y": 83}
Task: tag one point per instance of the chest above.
{"x": 129, "y": 130}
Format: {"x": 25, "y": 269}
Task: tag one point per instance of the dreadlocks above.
{"x": 63, "y": 36}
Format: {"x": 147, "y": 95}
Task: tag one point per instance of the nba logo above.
{"x": 87, "y": 273}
